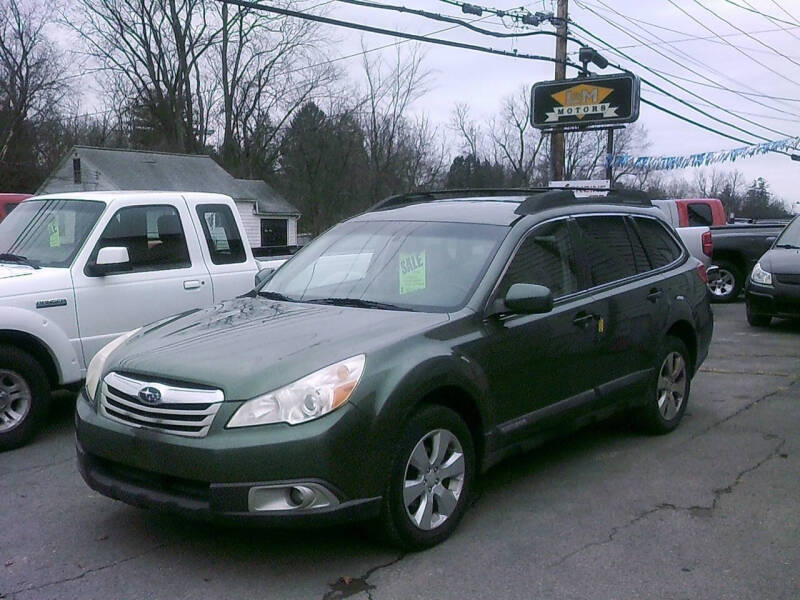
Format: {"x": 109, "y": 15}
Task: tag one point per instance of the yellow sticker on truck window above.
{"x": 55, "y": 236}
{"x": 412, "y": 272}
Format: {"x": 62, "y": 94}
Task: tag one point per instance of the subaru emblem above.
{"x": 149, "y": 395}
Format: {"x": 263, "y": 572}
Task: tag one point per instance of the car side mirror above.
{"x": 264, "y": 275}
{"x": 528, "y": 298}
{"x": 111, "y": 259}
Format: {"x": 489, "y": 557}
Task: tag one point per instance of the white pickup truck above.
{"x": 696, "y": 238}
{"x": 78, "y": 270}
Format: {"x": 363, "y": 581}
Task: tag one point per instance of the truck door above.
{"x": 165, "y": 275}
{"x": 224, "y": 248}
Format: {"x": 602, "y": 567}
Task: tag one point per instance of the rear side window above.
{"x": 222, "y": 235}
{"x": 661, "y": 247}
{"x": 547, "y": 258}
{"x": 153, "y": 236}
{"x": 607, "y": 248}
{"x": 699, "y": 215}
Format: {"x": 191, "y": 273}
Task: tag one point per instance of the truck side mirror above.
{"x": 528, "y": 298}
{"x": 111, "y": 259}
{"x": 263, "y": 275}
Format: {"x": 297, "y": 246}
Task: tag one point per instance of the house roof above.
{"x": 145, "y": 170}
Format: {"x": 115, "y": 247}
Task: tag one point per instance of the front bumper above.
{"x": 213, "y": 478}
{"x": 778, "y": 300}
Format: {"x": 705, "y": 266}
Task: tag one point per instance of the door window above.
{"x": 660, "y": 245}
{"x": 153, "y": 236}
{"x": 699, "y": 215}
{"x": 222, "y": 234}
{"x": 546, "y": 257}
{"x": 607, "y": 247}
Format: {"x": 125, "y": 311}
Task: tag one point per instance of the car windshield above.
{"x": 389, "y": 264}
{"x": 47, "y": 233}
{"x": 790, "y": 238}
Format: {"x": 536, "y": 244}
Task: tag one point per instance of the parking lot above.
{"x": 710, "y": 511}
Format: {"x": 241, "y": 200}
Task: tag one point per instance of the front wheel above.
{"x": 431, "y": 481}
{"x": 668, "y": 391}
{"x": 24, "y": 395}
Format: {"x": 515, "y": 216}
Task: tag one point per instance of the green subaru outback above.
{"x": 381, "y": 369}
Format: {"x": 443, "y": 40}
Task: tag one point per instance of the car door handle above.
{"x": 655, "y": 294}
{"x": 192, "y": 284}
{"x": 582, "y": 319}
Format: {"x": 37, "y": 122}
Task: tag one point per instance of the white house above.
{"x": 269, "y": 219}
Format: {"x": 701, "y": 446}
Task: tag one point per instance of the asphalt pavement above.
{"x": 709, "y": 511}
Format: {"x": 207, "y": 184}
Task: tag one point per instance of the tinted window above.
{"x": 661, "y": 247}
{"x": 608, "y": 250}
{"x": 699, "y": 215}
{"x": 222, "y": 234}
{"x": 546, "y": 257}
{"x": 153, "y": 236}
{"x": 639, "y": 253}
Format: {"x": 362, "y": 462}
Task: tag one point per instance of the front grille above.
{"x": 789, "y": 278}
{"x": 180, "y": 410}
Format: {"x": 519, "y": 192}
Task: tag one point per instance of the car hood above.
{"x": 22, "y": 280}
{"x": 781, "y": 261}
{"x": 249, "y": 346}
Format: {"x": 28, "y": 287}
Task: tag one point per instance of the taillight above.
{"x": 703, "y": 273}
{"x": 708, "y": 246}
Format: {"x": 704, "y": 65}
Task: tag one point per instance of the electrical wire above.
{"x": 786, "y": 12}
{"x": 682, "y": 101}
{"x": 735, "y": 47}
{"x": 715, "y": 84}
{"x": 750, "y": 8}
{"x": 786, "y": 30}
{"x": 389, "y": 32}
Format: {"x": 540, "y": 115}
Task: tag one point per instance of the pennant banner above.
{"x": 663, "y": 163}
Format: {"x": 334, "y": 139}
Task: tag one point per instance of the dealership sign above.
{"x": 600, "y": 100}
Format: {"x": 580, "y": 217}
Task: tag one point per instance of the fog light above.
{"x": 274, "y": 498}
{"x": 301, "y": 496}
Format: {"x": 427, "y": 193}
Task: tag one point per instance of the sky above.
{"x": 483, "y": 80}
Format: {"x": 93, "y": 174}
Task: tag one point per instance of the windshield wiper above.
{"x": 276, "y": 296}
{"x": 17, "y": 258}
{"x": 357, "y": 303}
{"x": 789, "y": 246}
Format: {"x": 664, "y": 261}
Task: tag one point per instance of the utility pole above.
{"x": 557, "y": 138}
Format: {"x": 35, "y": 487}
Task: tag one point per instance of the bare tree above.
{"x": 31, "y": 69}
{"x": 467, "y": 128}
{"x": 515, "y": 142}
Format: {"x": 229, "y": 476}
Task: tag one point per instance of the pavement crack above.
{"x": 696, "y": 510}
{"x": 345, "y": 587}
{"x": 716, "y": 371}
{"x": 35, "y": 467}
{"x": 86, "y": 572}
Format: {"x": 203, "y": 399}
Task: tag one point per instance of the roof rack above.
{"x": 415, "y": 197}
{"x": 535, "y": 199}
{"x": 556, "y": 198}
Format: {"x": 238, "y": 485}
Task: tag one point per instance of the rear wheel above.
{"x": 757, "y": 320}
{"x": 668, "y": 391}
{"x": 727, "y": 286}
{"x": 24, "y": 396}
{"x": 431, "y": 480}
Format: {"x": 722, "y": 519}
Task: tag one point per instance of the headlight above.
{"x": 305, "y": 399}
{"x": 761, "y": 276}
{"x": 97, "y": 363}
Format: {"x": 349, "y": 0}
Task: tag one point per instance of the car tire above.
{"x": 24, "y": 397}
{"x": 668, "y": 389}
{"x": 728, "y": 284}
{"x": 757, "y": 320}
{"x": 422, "y": 508}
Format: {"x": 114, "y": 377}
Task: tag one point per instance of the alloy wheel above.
{"x": 671, "y": 390}
{"x": 434, "y": 479}
{"x": 723, "y": 285}
{"x": 15, "y": 399}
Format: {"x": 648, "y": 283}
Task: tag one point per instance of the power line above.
{"x": 716, "y": 84}
{"x": 381, "y": 31}
{"x": 684, "y": 102}
{"x": 786, "y": 12}
{"x": 739, "y": 50}
{"x": 750, "y": 8}
{"x": 695, "y": 123}
{"x": 740, "y": 112}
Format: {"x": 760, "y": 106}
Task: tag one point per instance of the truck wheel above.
{"x": 24, "y": 396}
{"x": 668, "y": 391}
{"x": 431, "y": 480}
{"x": 728, "y": 285}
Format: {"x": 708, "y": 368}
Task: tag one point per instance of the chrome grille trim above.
{"x": 182, "y": 411}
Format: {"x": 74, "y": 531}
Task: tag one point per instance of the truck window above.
{"x": 153, "y": 236}
{"x": 222, "y": 234}
{"x": 699, "y": 214}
